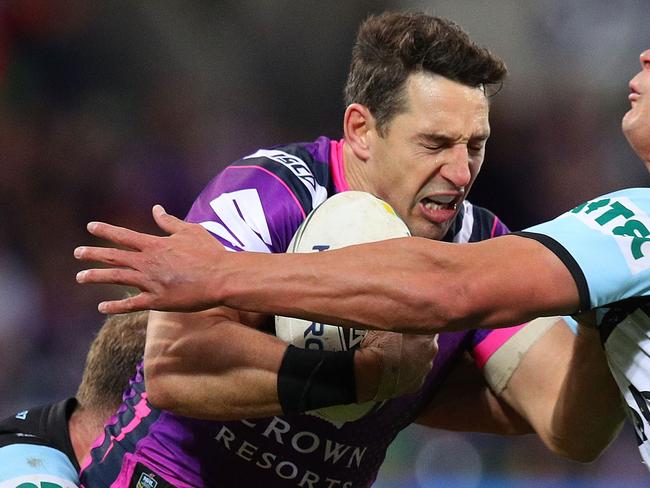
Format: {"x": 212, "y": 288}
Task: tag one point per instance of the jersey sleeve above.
{"x": 604, "y": 243}
{"x": 30, "y": 465}
{"x": 257, "y": 203}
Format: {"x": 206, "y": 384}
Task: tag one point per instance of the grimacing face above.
{"x": 431, "y": 153}
{"x": 636, "y": 122}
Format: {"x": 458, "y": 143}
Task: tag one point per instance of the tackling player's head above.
{"x": 417, "y": 117}
{"x": 111, "y": 362}
{"x": 636, "y": 122}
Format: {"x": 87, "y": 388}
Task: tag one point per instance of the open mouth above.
{"x": 439, "y": 208}
{"x": 441, "y": 202}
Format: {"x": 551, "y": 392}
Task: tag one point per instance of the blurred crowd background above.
{"x": 109, "y": 107}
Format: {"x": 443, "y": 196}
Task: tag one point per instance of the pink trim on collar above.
{"x": 336, "y": 165}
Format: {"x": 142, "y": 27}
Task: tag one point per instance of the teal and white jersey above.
{"x": 36, "y": 450}
{"x": 605, "y": 244}
{"x": 34, "y": 466}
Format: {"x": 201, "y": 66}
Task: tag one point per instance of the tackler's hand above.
{"x": 172, "y": 272}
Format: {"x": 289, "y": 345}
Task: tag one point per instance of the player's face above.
{"x": 636, "y": 122}
{"x": 430, "y": 154}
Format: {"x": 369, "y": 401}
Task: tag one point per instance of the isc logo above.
{"x": 622, "y": 220}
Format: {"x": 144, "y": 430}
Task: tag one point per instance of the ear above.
{"x": 358, "y": 123}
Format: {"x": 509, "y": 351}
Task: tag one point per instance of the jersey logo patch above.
{"x": 144, "y": 477}
{"x": 146, "y": 481}
{"x": 621, "y": 219}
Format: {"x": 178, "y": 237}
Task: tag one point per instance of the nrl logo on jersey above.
{"x": 625, "y": 222}
{"x": 146, "y": 481}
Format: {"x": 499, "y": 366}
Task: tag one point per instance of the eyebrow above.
{"x": 439, "y": 138}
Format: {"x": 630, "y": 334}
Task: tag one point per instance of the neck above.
{"x": 84, "y": 428}
{"x": 355, "y": 170}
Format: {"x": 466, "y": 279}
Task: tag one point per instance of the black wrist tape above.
{"x": 310, "y": 379}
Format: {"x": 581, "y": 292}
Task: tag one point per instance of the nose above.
{"x": 456, "y": 168}
{"x": 645, "y": 59}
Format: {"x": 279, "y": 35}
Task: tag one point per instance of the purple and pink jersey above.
{"x": 256, "y": 204}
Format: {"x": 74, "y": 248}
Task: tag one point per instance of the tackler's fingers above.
{"x": 120, "y": 235}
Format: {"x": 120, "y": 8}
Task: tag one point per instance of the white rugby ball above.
{"x": 348, "y": 218}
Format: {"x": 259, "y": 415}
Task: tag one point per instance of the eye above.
{"x": 432, "y": 147}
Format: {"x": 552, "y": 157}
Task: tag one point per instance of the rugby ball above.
{"x": 348, "y": 218}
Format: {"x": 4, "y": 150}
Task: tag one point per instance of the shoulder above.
{"x": 41, "y": 427}
{"x": 258, "y": 202}
{"x": 298, "y": 171}
{"x": 27, "y": 464}
{"x": 603, "y": 243}
{"x": 474, "y": 223}
{"x": 606, "y": 214}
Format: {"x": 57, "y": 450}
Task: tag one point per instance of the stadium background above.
{"x": 109, "y": 107}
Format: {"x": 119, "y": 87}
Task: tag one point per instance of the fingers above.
{"x": 167, "y": 222}
{"x": 106, "y": 255}
{"x": 115, "y": 276}
{"x": 126, "y": 305}
{"x": 119, "y": 235}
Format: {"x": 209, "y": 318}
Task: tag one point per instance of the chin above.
{"x": 638, "y": 136}
{"x": 429, "y": 232}
{"x": 626, "y": 123}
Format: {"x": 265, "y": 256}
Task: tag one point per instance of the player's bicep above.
{"x": 514, "y": 279}
{"x": 537, "y": 368}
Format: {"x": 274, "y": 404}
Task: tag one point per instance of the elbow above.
{"x": 580, "y": 453}
{"x": 583, "y": 448}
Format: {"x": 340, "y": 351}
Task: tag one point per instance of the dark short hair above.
{"x": 112, "y": 360}
{"x": 391, "y": 46}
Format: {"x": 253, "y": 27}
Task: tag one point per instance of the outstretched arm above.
{"x": 410, "y": 284}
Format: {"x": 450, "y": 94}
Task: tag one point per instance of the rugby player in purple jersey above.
{"x": 414, "y": 135}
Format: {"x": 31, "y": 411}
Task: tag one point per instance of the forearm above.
{"x": 209, "y": 367}
{"x": 407, "y": 285}
{"x": 193, "y": 366}
{"x": 589, "y": 412}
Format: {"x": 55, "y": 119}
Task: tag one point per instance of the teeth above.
{"x": 437, "y": 205}
{"x": 431, "y": 205}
